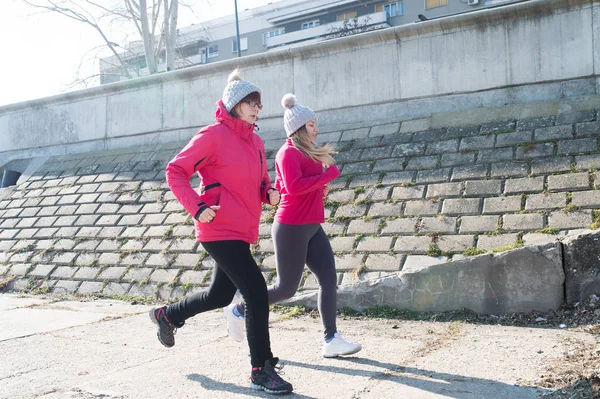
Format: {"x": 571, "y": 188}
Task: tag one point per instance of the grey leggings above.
{"x": 295, "y": 246}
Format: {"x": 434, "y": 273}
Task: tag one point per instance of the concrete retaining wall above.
{"x": 528, "y": 52}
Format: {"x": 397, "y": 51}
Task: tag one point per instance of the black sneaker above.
{"x": 166, "y": 330}
{"x": 267, "y": 379}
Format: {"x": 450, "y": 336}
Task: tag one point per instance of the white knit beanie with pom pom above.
{"x": 236, "y": 90}
{"x": 295, "y": 115}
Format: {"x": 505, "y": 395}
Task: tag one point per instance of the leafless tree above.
{"x": 350, "y": 27}
{"x": 154, "y": 20}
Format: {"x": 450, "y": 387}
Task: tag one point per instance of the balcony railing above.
{"x": 376, "y": 20}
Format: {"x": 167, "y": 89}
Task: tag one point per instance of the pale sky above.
{"x": 41, "y": 52}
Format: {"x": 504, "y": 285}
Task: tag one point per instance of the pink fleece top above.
{"x": 300, "y": 181}
{"x": 229, "y": 158}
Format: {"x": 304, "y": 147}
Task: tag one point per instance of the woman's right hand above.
{"x": 325, "y": 191}
{"x": 208, "y": 214}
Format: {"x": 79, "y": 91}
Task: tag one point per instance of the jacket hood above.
{"x": 244, "y": 129}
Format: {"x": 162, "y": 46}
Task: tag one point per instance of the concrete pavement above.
{"x": 53, "y": 349}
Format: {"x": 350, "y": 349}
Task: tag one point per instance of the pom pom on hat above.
{"x": 295, "y": 115}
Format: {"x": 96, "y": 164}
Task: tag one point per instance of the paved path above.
{"x": 108, "y": 349}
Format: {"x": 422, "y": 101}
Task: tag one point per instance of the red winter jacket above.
{"x": 230, "y": 161}
{"x": 300, "y": 181}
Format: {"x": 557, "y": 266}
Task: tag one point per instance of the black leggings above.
{"x": 235, "y": 269}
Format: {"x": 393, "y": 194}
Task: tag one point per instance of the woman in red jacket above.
{"x": 230, "y": 161}
{"x": 303, "y": 171}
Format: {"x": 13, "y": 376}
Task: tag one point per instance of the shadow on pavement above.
{"x": 431, "y": 381}
{"x": 211, "y": 385}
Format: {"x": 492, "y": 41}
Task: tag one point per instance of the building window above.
{"x": 392, "y": 9}
{"x": 435, "y": 3}
{"x": 243, "y": 44}
{"x": 346, "y": 15}
{"x": 310, "y": 24}
{"x": 273, "y": 33}
{"x": 213, "y": 51}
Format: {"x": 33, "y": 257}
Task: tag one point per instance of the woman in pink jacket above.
{"x": 229, "y": 159}
{"x": 303, "y": 171}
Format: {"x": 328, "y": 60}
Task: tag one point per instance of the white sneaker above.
{"x": 235, "y": 324}
{"x": 339, "y": 347}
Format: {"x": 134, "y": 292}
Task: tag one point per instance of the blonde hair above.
{"x": 322, "y": 154}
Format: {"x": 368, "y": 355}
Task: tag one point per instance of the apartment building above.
{"x": 289, "y": 23}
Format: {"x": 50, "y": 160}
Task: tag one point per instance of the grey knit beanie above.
{"x": 236, "y": 90}
{"x": 295, "y": 115}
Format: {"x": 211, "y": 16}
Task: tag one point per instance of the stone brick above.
{"x": 538, "y": 238}
{"x": 495, "y": 127}
{"x": 112, "y": 232}
{"x": 108, "y": 220}
{"x": 486, "y": 243}
{"x": 525, "y": 185}
{"x": 384, "y": 165}
{"x": 152, "y": 208}
{"x": 411, "y": 192}
{"x": 455, "y": 243}
{"x": 584, "y": 162}
{"x": 356, "y": 167}
{"x": 159, "y": 260}
{"x": 130, "y": 209}
{"x": 26, "y": 233}
{"x": 570, "y": 220}
{"x": 577, "y": 146}
{"x": 133, "y": 232}
{"x": 112, "y": 273}
{"x": 575, "y": 116}
{"x": 353, "y": 134}
{"x": 483, "y": 187}
{"x": 66, "y": 210}
{"x": 554, "y": 133}
{"x": 341, "y": 196}
{"x": 527, "y": 124}
{"x": 440, "y": 224}
{"x": 42, "y": 233}
{"x": 86, "y": 220}
{"x": 66, "y": 287}
{"x": 342, "y": 244}
{"x": 398, "y": 177}
{"x": 415, "y": 125}
{"x": 157, "y": 231}
{"x": 502, "y": 204}
{"x": 90, "y": 287}
{"x": 351, "y": 210}
{"x": 478, "y": 224}
{"x": 586, "y": 199}
{"x": 413, "y": 262}
{"x": 433, "y": 176}
{"x": 86, "y": 273}
{"x": 383, "y": 130}
{"x": 193, "y": 277}
{"x": 132, "y": 245}
{"x": 376, "y": 153}
{"x": 26, "y": 222}
{"x": 130, "y": 220}
{"x": 109, "y": 258}
{"x": 457, "y": 159}
{"x": 402, "y": 150}
{"x": 549, "y": 166}
{"x": 442, "y": 147}
{"x": 177, "y": 218}
{"x": 426, "y": 162}
{"x": 546, "y": 201}
{"x": 374, "y": 194}
{"x": 535, "y": 151}
{"x": 477, "y": 142}
{"x": 183, "y": 245}
{"x": 469, "y": 172}
{"x": 384, "y": 262}
{"x": 495, "y": 155}
{"x": 87, "y": 245}
{"x": 588, "y": 129}
{"x": 422, "y": 207}
{"x": 530, "y": 221}
{"x": 375, "y": 244}
{"x": 86, "y": 259}
{"x": 444, "y": 190}
{"x": 462, "y": 206}
{"x": 348, "y": 262}
{"x": 382, "y": 209}
{"x": 138, "y": 274}
{"x": 363, "y": 180}
{"x": 429, "y": 135}
{"x": 115, "y": 289}
{"x": 359, "y": 226}
{"x": 569, "y": 181}
{"x": 41, "y": 270}
{"x": 87, "y": 209}
{"x": 412, "y": 244}
{"x": 514, "y": 138}
{"x": 64, "y": 272}
{"x": 133, "y": 259}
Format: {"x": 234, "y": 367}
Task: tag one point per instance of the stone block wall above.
{"x": 106, "y": 223}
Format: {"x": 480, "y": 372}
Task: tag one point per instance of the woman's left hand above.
{"x": 273, "y": 196}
